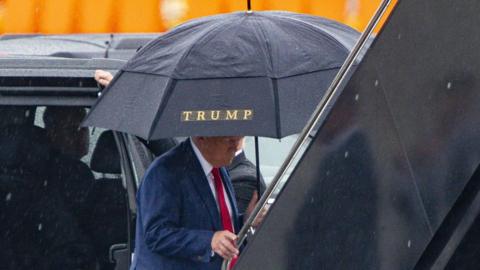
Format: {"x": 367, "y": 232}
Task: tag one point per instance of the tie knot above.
{"x": 216, "y": 173}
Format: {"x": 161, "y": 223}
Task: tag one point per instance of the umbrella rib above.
{"x": 325, "y": 33}
{"x": 198, "y": 42}
{"x": 169, "y": 90}
{"x": 277, "y": 107}
{"x": 319, "y": 30}
{"x": 167, "y": 35}
{"x": 266, "y": 51}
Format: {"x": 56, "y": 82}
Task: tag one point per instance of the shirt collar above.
{"x": 238, "y": 152}
{"x": 206, "y": 166}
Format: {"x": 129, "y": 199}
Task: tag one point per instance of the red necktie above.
{"x": 222, "y": 203}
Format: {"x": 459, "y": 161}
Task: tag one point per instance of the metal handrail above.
{"x": 318, "y": 114}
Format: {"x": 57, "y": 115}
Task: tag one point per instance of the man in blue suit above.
{"x": 187, "y": 216}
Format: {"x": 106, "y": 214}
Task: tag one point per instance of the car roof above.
{"x": 58, "y": 69}
{"x": 115, "y": 46}
{"x": 51, "y": 80}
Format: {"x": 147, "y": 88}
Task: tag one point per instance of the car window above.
{"x": 64, "y": 203}
{"x": 272, "y": 154}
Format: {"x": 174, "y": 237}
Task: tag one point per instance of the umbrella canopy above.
{"x": 245, "y": 73}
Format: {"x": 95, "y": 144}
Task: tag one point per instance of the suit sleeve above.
{"x": 159, "y": 201}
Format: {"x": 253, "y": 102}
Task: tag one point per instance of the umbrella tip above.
{"x": 249, "y": 6}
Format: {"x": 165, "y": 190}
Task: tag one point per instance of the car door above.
{"x": 67, "y": 202}
{"x": 135, "y": 159}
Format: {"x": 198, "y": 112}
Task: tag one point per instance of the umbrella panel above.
{"x": 166, "y": 108}
{"x": 127, "y": 101}
{"x": 297, "y": 101}
{"x": 213, "y": 107}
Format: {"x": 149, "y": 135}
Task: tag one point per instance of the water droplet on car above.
{"x": 449, "y": 85}
{"x": 376, "y": 83}
{"x": 357, "y": 96}
{"x": 347, "y": 154}
{"x": 40, "y": 227}
{"x": 45, "y": 183}
{"x": 409, "y": 243}
{"x": 9, "y": 197}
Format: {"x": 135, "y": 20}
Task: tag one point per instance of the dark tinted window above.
{"x": 63, "y": 199}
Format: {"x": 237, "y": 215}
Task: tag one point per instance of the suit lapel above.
{"x": 200, "y": 182}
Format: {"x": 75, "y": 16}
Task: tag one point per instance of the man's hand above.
{"x": 223, "y": 243}
{"x": 103, "y": 77}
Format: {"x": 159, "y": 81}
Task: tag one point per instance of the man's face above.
{"x": 219, "y": 151}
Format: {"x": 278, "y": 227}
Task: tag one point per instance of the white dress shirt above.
{"x": 207, "y": 170}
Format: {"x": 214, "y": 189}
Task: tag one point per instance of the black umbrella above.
{"x": 245, "y": 73}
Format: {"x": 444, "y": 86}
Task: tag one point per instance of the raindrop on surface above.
{"x": 347, "y": 154}
{"x": 357, "y": 96}
{"x": 9, "y": 197}
{"x": 399, "y": 36}
{"x": 45, "y": 183}
{"x": 409, "y": 243}
{"x": 376, "y": 83}
{"x": 40, "y": 227}
{"x": 327, "y": 173}
{"x": 27, "y": 113}
{"x": 449, "y": 85}
{"x": 312, "y": 199}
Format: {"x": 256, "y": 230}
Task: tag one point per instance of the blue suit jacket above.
{"x": 177, "y": 214}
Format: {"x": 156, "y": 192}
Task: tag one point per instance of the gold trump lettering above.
{"x": 217, "y": 115}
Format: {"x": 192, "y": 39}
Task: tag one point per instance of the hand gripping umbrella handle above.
{"x": 317, "y": 115}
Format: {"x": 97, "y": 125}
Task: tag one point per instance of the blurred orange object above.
{"x": 175, "y": 12}
{"x": 95, "y": 16}
{"x": 299, "y": 6}
{"x": 138, "y": 16}
{"x": 57, "y": 16}
{"x": 203, "y": 8}
{"x": 2, "y": 15}
{"x": 20, "y": 16}
{"x": 332, "y": 9}
{"x": 100, "y": 16}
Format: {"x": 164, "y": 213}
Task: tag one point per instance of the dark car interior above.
{"x": 63, "y": 189}
{"x": 58, "y": 211}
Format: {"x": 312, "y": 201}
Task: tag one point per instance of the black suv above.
{"x": 67, "y": 194}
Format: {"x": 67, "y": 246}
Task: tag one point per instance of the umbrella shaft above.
{"x": 257, "y": 161}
